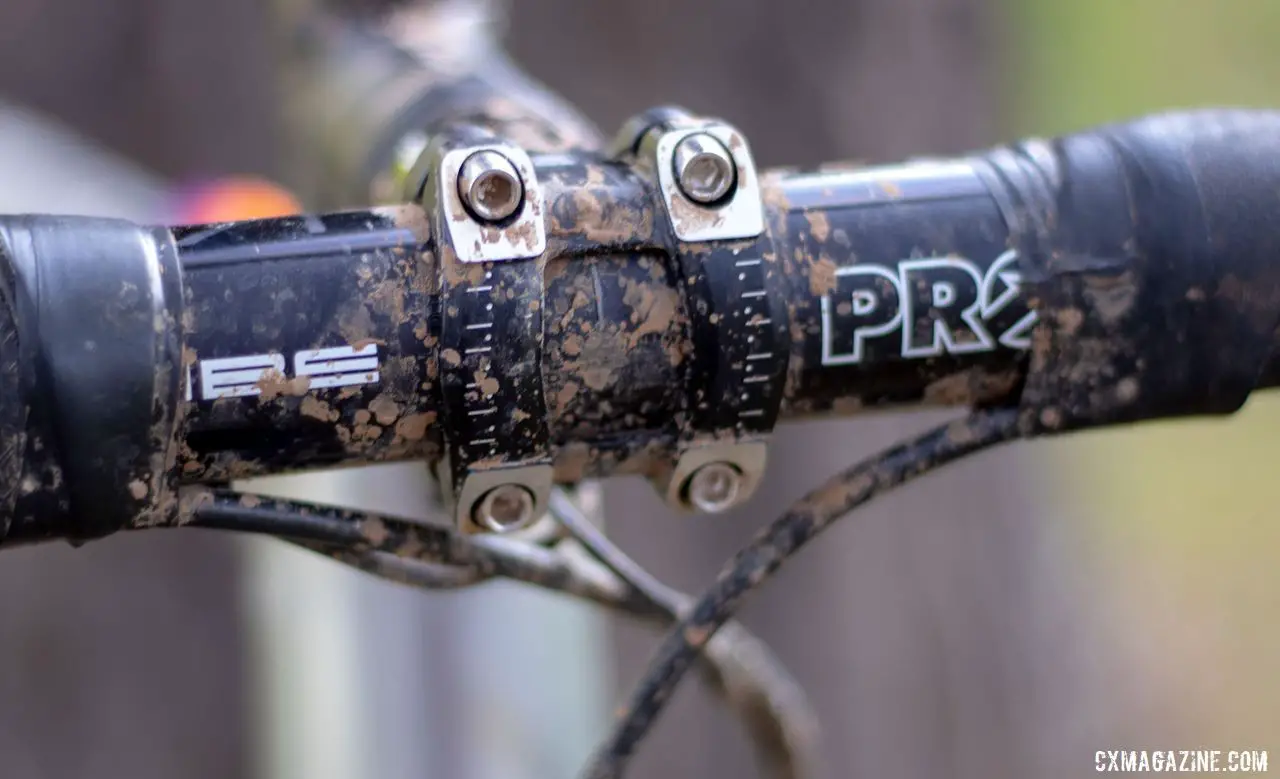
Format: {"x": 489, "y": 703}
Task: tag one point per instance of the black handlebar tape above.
{"x": 94, "y": 309}
{"x": 1151, "y": 253}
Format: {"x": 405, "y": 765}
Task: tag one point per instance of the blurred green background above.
{"x": 1182, "y": 519}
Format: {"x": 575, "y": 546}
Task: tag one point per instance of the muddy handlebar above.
{"x": 1122, "y": 274}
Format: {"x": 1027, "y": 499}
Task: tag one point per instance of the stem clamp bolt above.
{"x": 490, "y": 186}
{"x": 504, "y": 508}
{"x": 714, "y": 487}
{"x": 704, "y": 169}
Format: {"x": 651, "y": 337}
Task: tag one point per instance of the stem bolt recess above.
{"x": 714, "y": 487}
{"x": 505, "y": 508}
{"x": 704, "y": 169}
{"x": 490, "y": 186}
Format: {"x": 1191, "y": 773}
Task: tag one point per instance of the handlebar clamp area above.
{"x": 727, "y": 269}
{"x": 486, "y": 207}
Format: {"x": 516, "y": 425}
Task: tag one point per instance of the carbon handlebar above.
{"x": 1121, "y": 274}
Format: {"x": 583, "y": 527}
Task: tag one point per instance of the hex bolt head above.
{"x": 490, "y": 186}
{"x": 504, "y": 508}
{"x": 714, "y": 487}
{"x": 704, "y": 168}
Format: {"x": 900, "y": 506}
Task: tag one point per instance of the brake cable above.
{"x": 772, "y": 547}
{"x": 738, "y": 667}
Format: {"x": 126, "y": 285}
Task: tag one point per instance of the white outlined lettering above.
{"x": 935, "y": 305}
{"x": 232, "y": 377}
{"x": 942, "y": 336}
{"x": 864, "y": 303}
{"x": 242, "y": 376}
{"x": 1004, "y": 270}
{"x": 339, "y": 366}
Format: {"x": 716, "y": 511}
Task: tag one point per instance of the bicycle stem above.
{"x": 616, "y": 352}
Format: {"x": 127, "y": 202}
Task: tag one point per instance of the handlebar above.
{"x": 1121, "y": 274}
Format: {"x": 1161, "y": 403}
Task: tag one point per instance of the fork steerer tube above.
{"x": 1122, "y": 274}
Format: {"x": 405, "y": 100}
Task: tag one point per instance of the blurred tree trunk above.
{"x": 123, "y": 658}
{"x": 926, "y": 630}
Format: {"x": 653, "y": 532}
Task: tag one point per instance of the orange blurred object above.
{"x": 234, "y": 198}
